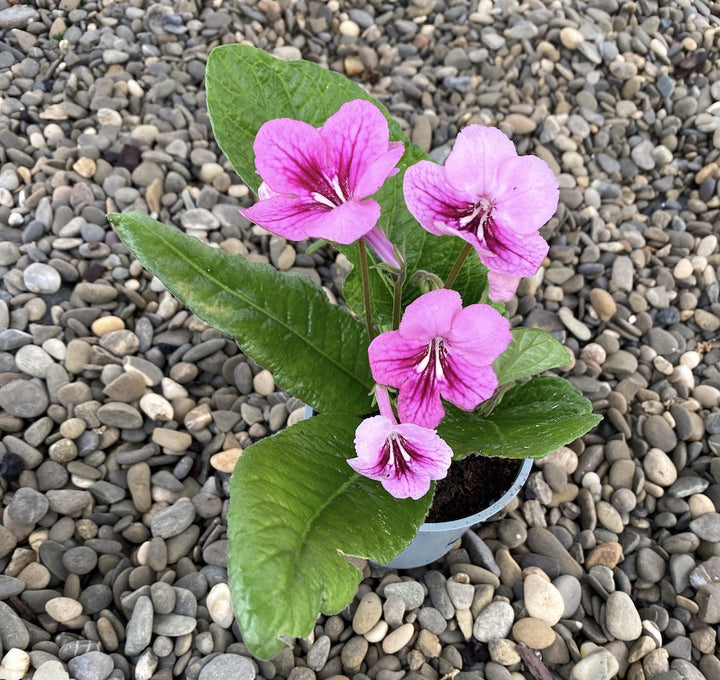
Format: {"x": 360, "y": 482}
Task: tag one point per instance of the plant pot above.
{"x": 434, "y": 539}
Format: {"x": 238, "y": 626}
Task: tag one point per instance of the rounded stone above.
{"x": 621, "y": 617}
{"x": 28, "y": 506}
{"x": 226, "y": 666}
{"x": 41, "y": 278}
{"x": 535, "y": 633}
{"x": 542, "y": 599}
{"x": 63, "y": 609}
{"x": 367, "y": 614}
{"x": 494, "y": 622}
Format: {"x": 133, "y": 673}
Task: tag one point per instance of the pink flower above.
{"x": 404, "y": 457}
{"x": 440, "y": 350}
{"x": 491, "y": 197}
{"x": 316, "y": 180}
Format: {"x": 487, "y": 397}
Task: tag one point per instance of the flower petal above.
{"x": 433, "y": 455}
{"x": 511, "y": 253}
{"x": 370, "y": 437}
{"x": 434, "y": 203}
{"x": 346, "y": 222}
{"x": 291, "y": 156}
{"x": 419, "y": 400}
{"x": 382, "y": 168}
{"x": 431, "y": 315}
{"x": 526, "y": 195}
{"x": 382, "y": 246}
{"x": 393, "y": 358}
{"x": 473, "y": 163}
{"x": 502, "y": 287}
{"x": 480, "y": 334}
{"x": 467, "y": 385}
{"x": 357, "y": 139}
{"x": 418, "y": 456}
{"x": 286, "y": 216}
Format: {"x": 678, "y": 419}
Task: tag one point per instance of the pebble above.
{"x": 226, "y": 666}
{"x": 494, "y": 622}
{"x": 542, "y": 599}
{"x": 621, "y": 618}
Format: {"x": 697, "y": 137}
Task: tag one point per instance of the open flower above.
{"x": 491, "y": 197}
{"x": 440, "y": 349}
{"x": 316, "y": 180}
{"x": 404, "y": 457}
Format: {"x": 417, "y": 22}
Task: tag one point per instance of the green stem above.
{"x": 366, "y": 289}
{"x": 397, "y": 297}
{"x": 458, "y": 265}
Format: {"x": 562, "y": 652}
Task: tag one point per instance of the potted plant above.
{"x": 421, "y": 369}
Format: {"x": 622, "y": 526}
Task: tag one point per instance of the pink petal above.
{"x": 434, "y": 203}
{"x": 382, "y": 168}
{"x": 393, "y": 358}
{"x": 473, "y": 163}
{"x": 370, "y": 437}
{"x": 382, "y": 246}
{"x": 511, "y": 253}
{"x": 291, "y": 156}
{"x": 480, "y": 334}
{"x": 467, "y": 385}
{"x": 527, "y": 194}
{"x": 357, "y": 139}
{"x": 419, "y": 400}
{"x": 286, "y": 216}
{"x": 345, "y": 223}
{"x": 434, "y": 455}
{"x": 502, "y": 287}
{"x": 431, "y": 315}
{"x": 428, "y": 457}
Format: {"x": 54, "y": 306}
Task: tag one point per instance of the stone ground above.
{"x": 121, "y": 413}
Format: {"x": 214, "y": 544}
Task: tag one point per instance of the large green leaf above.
{"x": 247, "y": 87}
{"x": 531, "y": 351}
{"x": 316, "y": 350}
{"x": 296, "y": 508}
{"x": 533, "y": 419}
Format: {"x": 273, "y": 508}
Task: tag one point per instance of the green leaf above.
{"x": 296, "y": 508}
{"x": 533, "y": 419}
{"x": 246, "y": 87}
{"x": 315, "y": 350}
{"x": 531, "y": 351}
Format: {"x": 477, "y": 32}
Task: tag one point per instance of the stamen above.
{"x": 439, "y": 374}
{"x": 322, "y": 199}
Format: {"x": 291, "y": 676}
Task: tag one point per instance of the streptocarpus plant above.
{"x": 435, "y": 250}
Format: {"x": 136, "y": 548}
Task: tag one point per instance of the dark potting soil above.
{"x": 471, "y": 485}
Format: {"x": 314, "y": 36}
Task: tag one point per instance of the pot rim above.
{"x": 490, "y": 510}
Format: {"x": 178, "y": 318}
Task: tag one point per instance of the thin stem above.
{"x": 458, "y": 265}
{"x": 397, "y": 297}
{"x": 366, "y": 289}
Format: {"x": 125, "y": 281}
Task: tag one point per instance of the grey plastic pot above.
{"x": 434, "y": 539}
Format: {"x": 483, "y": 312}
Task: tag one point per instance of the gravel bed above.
{"x": 121, "y": 414}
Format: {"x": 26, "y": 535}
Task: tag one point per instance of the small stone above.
{"x": 707, "y": 527}
{"x": 542, "y": 599}
{"x": 91, "y": 666}
{"x": 173, "y": 520}
{"x": 603, "y": 303}
{"x": 41, "y": 278}
{"x": 63, "y": 609}
{"x": 367, "y": 614}
{"x": 398, "y": 639}
{"x": 410, "y": 592}
{"x": 494, "y": 622}
{"x": 28, "y": 506}
{"x": 600, "y": 665}
{"x": 225, "y": 666}
{"x": 138, "y": 634}
{"x": 621, "y": 617}
{"x": 535, "y": 633}
{"x": 220, "y": 606}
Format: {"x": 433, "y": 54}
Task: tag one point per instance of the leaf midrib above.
{"x": 257, "y": 308}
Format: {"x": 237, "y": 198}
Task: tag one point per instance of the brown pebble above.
{"x": 603, "y": 303}
{"x": 535, "y": 633}
{"x": 604, "y": 555}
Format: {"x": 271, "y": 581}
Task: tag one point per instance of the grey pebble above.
{"x": 91, "y": 666}
{"x": 226, "y": 666}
